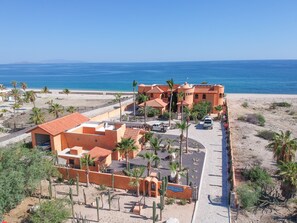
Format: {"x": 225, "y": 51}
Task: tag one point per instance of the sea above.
{"x": 257, "y": 76}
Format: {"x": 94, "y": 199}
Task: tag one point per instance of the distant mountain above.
{"x": 61, "y": 61}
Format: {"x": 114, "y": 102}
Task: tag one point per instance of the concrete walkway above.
{"x": 212, "y": 205}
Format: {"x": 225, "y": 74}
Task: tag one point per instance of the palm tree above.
{"x": 283, "y": 146}
{"x": 17, "y": 102}
{"x": 56, "y": 109}
{"x": 288, "y": 172}
{"x": 180, "y": 97}
{"x": 24, "y": 86}
{"x": 71, "y": 109}
{"x": 87, "y": 161}
{"x": 118, "y": 99}
{"x": 66, "y": 91}
{"x": 182, "y": 126}
{"x": 136, "y": 175}
{"x": 37, "y": 116}
{"x": 170, "y": 85}
{"x": 144, "y": 98}
{"x": 30, "y": 96}
{"x": 156, "y": 145}
{"x": 45, "y": 90}
{"x": 134, "y": 84}
{"x": 14, "y": 84}
{"x": 126, "y": 146}
{"x": 187, "y": 116}
{"x": 150, "y": 157}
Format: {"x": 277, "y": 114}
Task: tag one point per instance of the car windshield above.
{"x": 207, "y": 121}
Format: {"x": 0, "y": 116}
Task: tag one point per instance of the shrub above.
{"x": 71, "y": 181}
{"x": 101, "y": 187}
{"x": 183, "y": 201}
{"x": 152, "y": 112}
{"x": 202, "y": 109}
{"x": 165, "y": 116}
{"x": 256, "y": 119}
{"x": 245, "y": 104}
{"x": 291, "y": 113}
{"x": 281, "y": 104}
{"x": 54, "y": 211}
{"x": 266, "y": 134}
{"x": 258, "y": 176}
{"x": 170, "y": 201}
{"x": 241, "y": 118}
{"x": 248, "y": 196}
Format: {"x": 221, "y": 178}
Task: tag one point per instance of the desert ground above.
{"x": 118, "y": 213}
{"x": 250, "y": 150}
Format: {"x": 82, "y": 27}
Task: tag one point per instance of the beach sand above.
{"x": 249, "y": 149}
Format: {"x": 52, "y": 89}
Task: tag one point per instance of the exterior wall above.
{"x": 122, "y": 182}
{"x": 37, "y": 131}
{"x": 110, "y": 114}
{"x": 213, "y": 93}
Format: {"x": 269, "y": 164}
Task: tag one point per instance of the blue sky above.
{"x": 154, "y": 30}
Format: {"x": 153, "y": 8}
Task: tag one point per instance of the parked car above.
{"x": 159, "y": 127}
{"x": 208, "y": 123}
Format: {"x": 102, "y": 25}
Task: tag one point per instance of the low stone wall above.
{"x": 230, "y": 149}
{"x": 122, "y": 182}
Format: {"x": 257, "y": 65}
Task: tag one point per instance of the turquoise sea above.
{"x": 266, "y": 76}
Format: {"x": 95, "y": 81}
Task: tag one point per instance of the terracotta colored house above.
{"x": 74, "y": 135}
{"x": 193, "y": 94}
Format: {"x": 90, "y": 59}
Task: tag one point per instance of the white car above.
{"x": 208, "y": 123}
{"x": 159, "y": 127}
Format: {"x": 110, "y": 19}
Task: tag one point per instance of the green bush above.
{"x": 258, "y": 176}
{"x": 54, "y": 211}
{"x": 183, "y": 201}
{"x": 281, "y": 104}
{"x": 21, "y": 170}
{"x": 170, "y": 201}
{"x": 241, "y": 118}
{"x": 71, "y": 181}
{"x": 202, "y": 108}
{"x": 245, "y": 104}
{"x": 165, "y": 116}
{"x": 256, "y": 119}
{"x": 152, "y": 112}
{"x": 266, "y": 134}
{"x": 248, "y": 196}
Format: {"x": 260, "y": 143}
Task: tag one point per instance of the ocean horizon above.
{"x": 241, "y": 76}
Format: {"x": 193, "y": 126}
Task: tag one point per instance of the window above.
{"x": 221, "y": 95}
{"x": 196, "y": 96}
{"x": 71, "y": 161}
{"x": 152, "y": 95}
{"x": 204, "y": 96}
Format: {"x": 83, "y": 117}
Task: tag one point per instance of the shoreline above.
{"x": 103, "y": 92}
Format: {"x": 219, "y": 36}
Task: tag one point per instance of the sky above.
{"x": 147, "y": 31}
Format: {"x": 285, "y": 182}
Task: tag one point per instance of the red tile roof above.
{"x": 62, "y": 124}
{"x": 131, "y": 133}
{"x": 99, "y": 153}
{"x": 155, "y": 103}
{"x": 155, "y": 89}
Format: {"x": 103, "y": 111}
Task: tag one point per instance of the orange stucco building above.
{"x": 73, "y": 136}
{"x": 192, "y": 94}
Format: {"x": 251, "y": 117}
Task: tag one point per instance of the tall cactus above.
{"x": 162, "y": 192}
{"x": 50, "y": 191}
{"x": 85, "y": 197}
{"x": 77, "y": 184}
{"x": 97, "y": 206}
{"x": 71, "y": 201}
{"x": 112, "y": 181}
{"x": 155, "y": 216}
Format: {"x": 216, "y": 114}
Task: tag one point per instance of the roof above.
{"x": 131, "y": 133}
{"x": 184, "y": 103}
{"x": 99, "y": 153}
{"x": 155, "y": 103}
{"x": 155, "y": 89}
{"x": 62, "y": 124}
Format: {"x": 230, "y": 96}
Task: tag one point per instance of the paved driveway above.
{"x": 212, "y": 205}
